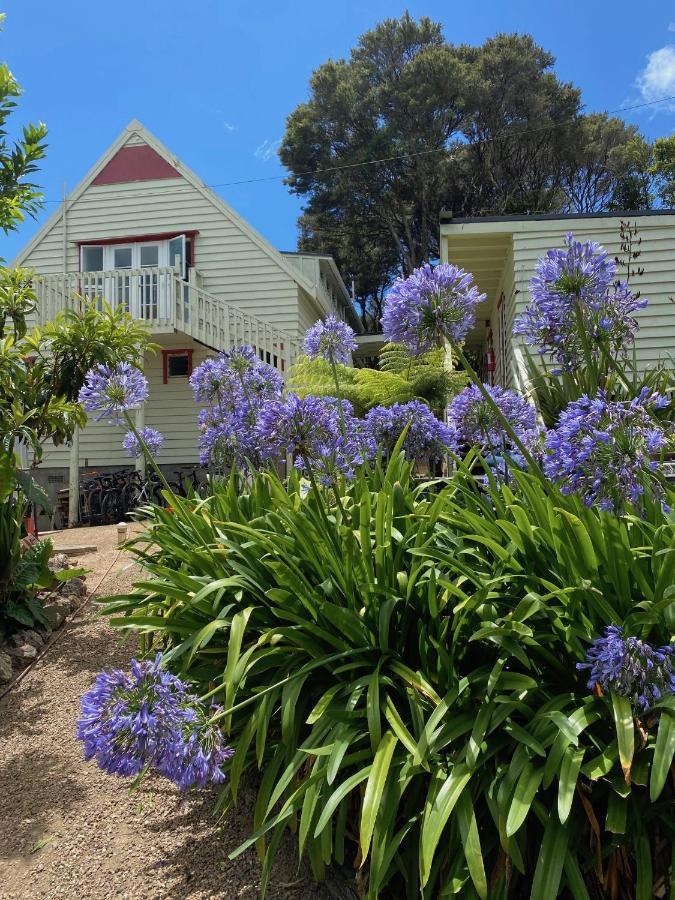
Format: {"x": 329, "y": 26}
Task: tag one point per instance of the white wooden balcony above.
{"x": 167, "y": 302}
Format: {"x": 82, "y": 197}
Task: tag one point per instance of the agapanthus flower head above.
{"x": 230, "y": 441}
{"x": 113, "y": 391}
{"x": 152, "y": 439}
{"x": 631, "y": 668}
{"x": 430, "y": 306}
{"x": 331, "y": 340}
{"x": 235, "y": 386}
{"x": 605, "y": 450}
{"x": 426, "y": 438}
{"x": 477, "y": 423}
{"x": 577, "y": 302}
{"x": 311, "y": 430}
{"x": 148, "y": 719}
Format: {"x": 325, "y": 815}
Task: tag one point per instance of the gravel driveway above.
{"x": 69, "y": 830}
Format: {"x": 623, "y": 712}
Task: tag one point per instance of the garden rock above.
{"x": 5, "y": 667}
{"x": 28, "y": 637}
{"x": 58, "y": 562}
{"x": 74, "y": 588}
{"x": 24, "y": 653}
{"x": 56, "y": 611}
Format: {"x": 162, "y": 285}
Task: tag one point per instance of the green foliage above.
{"x": 479, "y": 130}
{"x": 41, "y": 372}
{"x": 663, "y": 168}
{"x": 18, "y": 161}
{"x": 400, "y": 378}
{"x": 401, "y": 668}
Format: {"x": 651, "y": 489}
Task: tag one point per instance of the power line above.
{"x": 371, "y": 162}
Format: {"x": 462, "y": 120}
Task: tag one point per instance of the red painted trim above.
{"x": 166, "y": 353}
{"x": 138, "y": 238}
{"x": 138, "y": 163}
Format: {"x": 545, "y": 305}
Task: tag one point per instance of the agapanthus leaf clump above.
{"x": 148, "y": 719}
{"x": 113, "y": 391}
{"x": 477, "y": 421}
{"x": 235, "y": 386}
{"x": 431, "y": 306}
{"x": 331, "y": 340}
{"x": 605, "y": 450}
{"x": 578, "y": 306}
{"x": 152, "y": 439}
{"x": 631, "y": 668}
{"x": 322, "y": 442}
{"x": 427, "y": 438}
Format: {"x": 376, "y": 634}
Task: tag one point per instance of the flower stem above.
{"x": 531, "y": 461}
{"x": 147, "y": 454}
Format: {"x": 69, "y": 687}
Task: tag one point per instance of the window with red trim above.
{"x": 176, "y": 364}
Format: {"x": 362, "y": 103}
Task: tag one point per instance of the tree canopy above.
{"x": 411, "y": 124}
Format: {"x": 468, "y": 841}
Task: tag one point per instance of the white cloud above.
{"x": 267, "y": 150}
{"x": 228, "y": 126}
{"x": 657, "y": 79}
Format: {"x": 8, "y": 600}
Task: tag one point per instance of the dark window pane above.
{"x": 178, "y": 364}
{"x": 92, "y": 259}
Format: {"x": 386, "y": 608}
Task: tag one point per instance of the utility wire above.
{"x": 371, "y": 162}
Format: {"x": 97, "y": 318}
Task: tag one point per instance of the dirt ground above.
{"x": 69, "y": 830}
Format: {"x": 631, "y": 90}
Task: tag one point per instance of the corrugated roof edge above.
{"x": 446, "y": 216}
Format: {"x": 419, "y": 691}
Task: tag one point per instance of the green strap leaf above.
{"x": 663, "y": 755}
{"x": 569, "y": 772}
{"x": 468, "y": 830}
{"x": 523, "y": 795}
{"x": 625, "y": 732}
{"x": 552, "y": 854}
{"x": 374, "y": 789}
{"x": 338, "y": 795}
{"x": 440, "y": 804}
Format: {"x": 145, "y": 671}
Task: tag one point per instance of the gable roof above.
{"x": 135, "y": 134}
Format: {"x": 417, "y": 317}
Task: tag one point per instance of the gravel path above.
{"x": 69, "y": 830}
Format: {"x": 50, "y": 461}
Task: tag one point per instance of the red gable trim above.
{"x": 140, "y": 163}
{"x": 138, "y": 238}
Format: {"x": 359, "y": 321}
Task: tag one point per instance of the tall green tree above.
{"x": 663, "y": 169}
{"x": 410, "y": 124}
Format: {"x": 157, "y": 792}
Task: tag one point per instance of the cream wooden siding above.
{"x": 656, "y": 338}
{"x": 170, "y": 408}
{"x": 232, "y": 266}
{"x": 502, "y": 342}
{"x": 531, "y": 239}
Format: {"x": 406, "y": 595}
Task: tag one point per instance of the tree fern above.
{"x": 398, "y": 379}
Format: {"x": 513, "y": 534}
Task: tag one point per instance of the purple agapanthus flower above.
{"x": 113, "y": 391}
{"x": 310, "y": 429}
{"x": 152, "y": 439}
{"x": 426, "y": 438}
{"x": 148, "y": 719}
{"x": 331, "y": 340}
{"x": 430, "y": 306}
{"x": 604, "y": 450}
{"x": 478, "y": 424}
{"x": 235, "y": 387}
{"x": 578, "y": 305}
{"x": 630, "y": 667}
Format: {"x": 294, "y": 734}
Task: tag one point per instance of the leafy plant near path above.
{"x": 402, "y": 670}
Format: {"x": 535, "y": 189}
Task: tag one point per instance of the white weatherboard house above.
{"x": 143, "y": 231}
{"x": 502, "y": 252}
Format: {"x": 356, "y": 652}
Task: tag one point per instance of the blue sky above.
{"x": 216, "y": 80}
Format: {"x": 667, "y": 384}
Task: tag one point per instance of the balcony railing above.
{"x": 163, "y": 299}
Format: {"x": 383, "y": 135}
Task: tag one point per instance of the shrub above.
{"x": 402, "y": 670}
